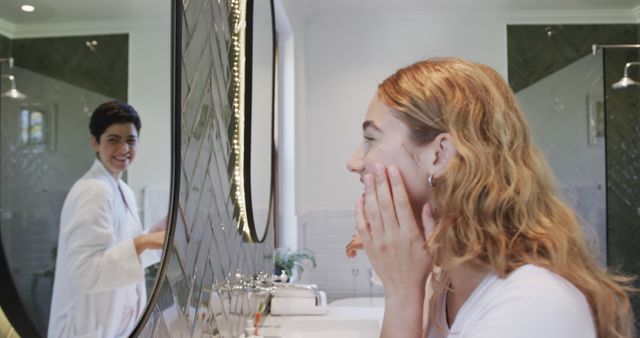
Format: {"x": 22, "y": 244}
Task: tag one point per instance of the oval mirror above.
{"x": 58, "y": 64}
{"x": 260, "y": 118}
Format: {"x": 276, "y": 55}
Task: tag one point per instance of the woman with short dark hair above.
{"x": 99, "y": 288}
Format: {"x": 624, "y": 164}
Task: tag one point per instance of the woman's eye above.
{"x": 132, "y": 142}
{"x": 368, "y": 138}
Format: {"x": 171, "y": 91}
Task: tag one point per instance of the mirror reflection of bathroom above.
{"x": 58, "y": 63}
{"x": 587, "y": 129}
{"x": 261, "y": 106}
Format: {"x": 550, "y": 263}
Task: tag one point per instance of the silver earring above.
{"x": 431, "y": 181}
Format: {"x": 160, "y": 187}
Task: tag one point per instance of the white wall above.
{"x": 291, "y": 17}
{"x": 150, "y": 94}
{"x": 348, "y": 54}
{"x": 343, "y": 58}
{"x": 347, "y": 57}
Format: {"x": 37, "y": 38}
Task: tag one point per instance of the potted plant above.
{"x": 292, "y": 262}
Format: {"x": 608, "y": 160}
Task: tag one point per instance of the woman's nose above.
{"x": 354, "y": 164}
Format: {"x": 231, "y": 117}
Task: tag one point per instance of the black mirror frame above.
{"x": 176, "y": 76}
{"x": 10, "y": 302}
{"x": 271, "y": 213}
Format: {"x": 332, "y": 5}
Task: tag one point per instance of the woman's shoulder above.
{"x": 88, "y": 187}
{"x": 541, "y": 281}
{"x": 533, "y": 298}
{"x": 539, "y": 285}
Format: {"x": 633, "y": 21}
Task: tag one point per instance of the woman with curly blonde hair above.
{"x": 456, "y": 194}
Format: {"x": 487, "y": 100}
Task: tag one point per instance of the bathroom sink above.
{"x": 334, "y": 328}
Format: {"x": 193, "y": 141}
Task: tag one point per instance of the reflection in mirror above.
{"x": 261, "y": 111}
{"x": 45, "y": 148}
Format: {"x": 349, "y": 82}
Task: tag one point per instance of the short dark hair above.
{"x": 112, "y": 112}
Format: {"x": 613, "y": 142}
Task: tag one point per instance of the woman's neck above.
{"x": 464, "y": 279}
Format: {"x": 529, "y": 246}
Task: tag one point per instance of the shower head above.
{"x": 13, "y": 93}
{"x": 626, "y": 81}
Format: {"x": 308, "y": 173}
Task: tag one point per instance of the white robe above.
{"x": 97, "y": 265}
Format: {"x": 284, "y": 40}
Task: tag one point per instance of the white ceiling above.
{"x": 65, "y": 11}
{"x": 483, "y": 5}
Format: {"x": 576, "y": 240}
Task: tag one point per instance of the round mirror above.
{"x": 259, "y": 118}
{"x": 64, "y": 60}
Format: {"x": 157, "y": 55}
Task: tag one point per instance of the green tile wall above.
{"x": 5, "y": 46}
{"x": 103, "y": 70}
{"x": 536, "y": 51}
{"x": 623, "y": 167}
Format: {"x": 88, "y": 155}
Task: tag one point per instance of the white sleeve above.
{"x": 97, "y": 262}
{"x": 549, "y": 309}
{"x": 147, "y": 257}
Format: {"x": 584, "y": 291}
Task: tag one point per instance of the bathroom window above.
{"x": 595, "y": 118}
{"x": 36, "y": 134}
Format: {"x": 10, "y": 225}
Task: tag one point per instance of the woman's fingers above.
{"x": 364, "y": 232}
{"x": 385, "y": 201}
{"x": 404, "y": 213}
{"x": 428, "y": 224}
{"x": 353, "y": 246}
{"x": 371, "y": 209}
{"x": 161, "y": 225}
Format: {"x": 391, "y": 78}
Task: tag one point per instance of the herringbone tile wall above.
{"x": 622, "y": 108}
{"x": 208, "y": 249}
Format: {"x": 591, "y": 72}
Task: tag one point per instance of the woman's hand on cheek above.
{"x": 390, "y": 234}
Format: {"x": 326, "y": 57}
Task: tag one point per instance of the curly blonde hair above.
{"x": 497, "y": 203}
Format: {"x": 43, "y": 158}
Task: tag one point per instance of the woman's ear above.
{"x": 94, "y": 143}
{"x": 445, "y": 151}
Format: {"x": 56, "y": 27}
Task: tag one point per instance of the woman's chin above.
{"x": 119, "y": 166}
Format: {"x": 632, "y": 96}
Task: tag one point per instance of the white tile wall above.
{"x": 326, "y": 233}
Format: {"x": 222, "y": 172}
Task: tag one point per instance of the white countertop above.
{"x": 274, "y": 326}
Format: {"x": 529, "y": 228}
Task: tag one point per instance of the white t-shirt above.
{"x": 531, "y": 302}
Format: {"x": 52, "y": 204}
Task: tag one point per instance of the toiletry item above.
{"x": 295, "y": 290}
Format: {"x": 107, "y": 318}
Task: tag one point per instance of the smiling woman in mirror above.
{"x": 99, "y": 288}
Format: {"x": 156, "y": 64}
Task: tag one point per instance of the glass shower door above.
{"x": 565, "y": 111}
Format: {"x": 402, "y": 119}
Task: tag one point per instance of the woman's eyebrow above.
{"x": 119, "y": 136}
{"x": 370, "y": 124}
